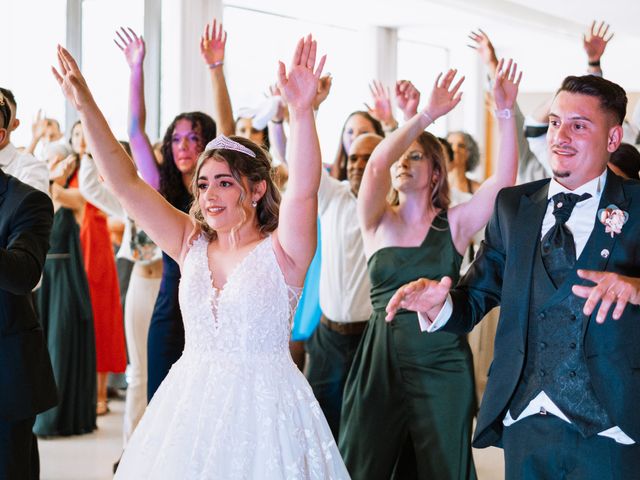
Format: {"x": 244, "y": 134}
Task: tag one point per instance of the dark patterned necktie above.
{"x": 558, "y": 246}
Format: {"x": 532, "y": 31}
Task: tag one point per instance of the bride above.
{"x": 235, "y": 405}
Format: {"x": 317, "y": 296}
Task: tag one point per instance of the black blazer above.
{"x": 27, "y": 386}
{"x": 501, "y": 275}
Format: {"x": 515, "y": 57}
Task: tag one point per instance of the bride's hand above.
{"x": 74, "y": 87}
{"x": 300, "y": 86}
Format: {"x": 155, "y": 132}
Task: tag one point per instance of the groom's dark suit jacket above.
{"x": 27, "y": 385}
{"x": 501, "y": 275}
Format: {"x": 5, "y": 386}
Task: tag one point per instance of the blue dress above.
{"x": 166, "y": 331}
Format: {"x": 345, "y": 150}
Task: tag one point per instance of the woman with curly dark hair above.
{"x": 184, "y": 140}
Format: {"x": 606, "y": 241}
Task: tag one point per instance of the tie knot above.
{"x": 563, "y": 204}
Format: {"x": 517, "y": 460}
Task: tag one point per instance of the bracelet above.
{"x": 216, "y": 64}
{"x": 277, "y": 122}
{"x": 505, "y": 113}
{"x": 595, "y": 63}
{"x": 428, "y": 117}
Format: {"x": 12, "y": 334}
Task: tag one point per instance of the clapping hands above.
{"x": 131, "y": 45}
{"x": 505, "y": 88}
{"x": 299, "y": 86}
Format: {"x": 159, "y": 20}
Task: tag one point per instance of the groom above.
{"x": 563, "y": 391}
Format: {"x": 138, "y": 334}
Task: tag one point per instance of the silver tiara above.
{"x": 225, "y": 143}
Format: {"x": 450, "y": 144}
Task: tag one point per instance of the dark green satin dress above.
{"x": 65, "y": 312}
{"x": 409, "y": 398}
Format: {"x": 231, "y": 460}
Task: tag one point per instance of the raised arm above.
{"x": 167, "y": 226}
{"x": 212, "y": 45}
{"x": 469, "y": 217}
{"x": 372, "y": 205}
{"x": 382, "y": 110}
{"x": 407, "y": 98}
{"x": 277, "y": 137}
{"x": 37, "y": 132}
{"x": 595, "y": 43}
{"x": 133, "y": 48}
{"x": 299, "y": 208}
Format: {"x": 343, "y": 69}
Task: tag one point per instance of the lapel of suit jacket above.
{"x": 4, "y": 184}
{"x": 527, "y": 225}
{"x": 599, "y": 246}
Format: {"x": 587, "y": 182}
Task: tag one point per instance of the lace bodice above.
{"x": 250, "y": 316}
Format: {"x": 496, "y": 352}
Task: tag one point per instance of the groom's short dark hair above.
{"x": 612, "y": 96}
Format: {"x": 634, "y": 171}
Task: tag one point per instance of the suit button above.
{"x": 543, "y": 345}
{"x": 572, "y": 374}
{"x": 573, "y": 318}
{"x": 542, "y": 373}
{"x": 542, "y": 316}
{"x": 572, "y": 346}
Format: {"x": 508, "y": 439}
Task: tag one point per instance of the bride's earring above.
{"x": 254, "y": 204}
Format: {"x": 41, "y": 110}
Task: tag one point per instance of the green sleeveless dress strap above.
{"x": 409, "y": 398}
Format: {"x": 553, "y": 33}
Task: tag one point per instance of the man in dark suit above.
{"x": 564, "y": 384}
{"x": 27, "y": 386}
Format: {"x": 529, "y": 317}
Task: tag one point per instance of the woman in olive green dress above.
{"x": 65, "y": 311}
{"x": 409, "y": 398}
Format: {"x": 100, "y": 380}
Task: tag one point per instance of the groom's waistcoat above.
{"x": 555, "y": 360}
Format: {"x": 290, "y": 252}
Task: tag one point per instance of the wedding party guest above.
{"x": 64, "y": 305}
{"x": 344, "y": 284}
{"x": 99, "y": 263}
{"x": 558, "y": 257}
{"x": 183, "y": 142}
{"x": 22, "y": 165}
{"x": 238, "y": 243}
{"x": 423, "y": 384}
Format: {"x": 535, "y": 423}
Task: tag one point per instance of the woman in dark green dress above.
{"x": 65, "y": 311}
{"x": 409, "y": 398}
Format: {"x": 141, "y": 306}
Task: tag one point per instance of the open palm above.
{"x": 505, "y": 89}
{"x": 131, "y": 45}
{"x": 74, "y": 86}
{"x": 444, "y": 97}
{"x": 300, "y": 85}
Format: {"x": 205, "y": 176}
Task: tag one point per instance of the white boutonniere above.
{"x": 613, "y": 219}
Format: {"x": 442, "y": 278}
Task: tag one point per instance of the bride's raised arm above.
{"x": 299, "y": 208}
{"x": 167, "y": 226}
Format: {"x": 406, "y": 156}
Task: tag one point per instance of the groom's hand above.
{"x": 609, "y": 288}
{"x": 426, "y": 296}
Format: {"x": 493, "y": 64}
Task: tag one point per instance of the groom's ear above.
{"x": 3, "y": 136}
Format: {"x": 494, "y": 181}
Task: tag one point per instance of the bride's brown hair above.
{"x": 242, "y": 166}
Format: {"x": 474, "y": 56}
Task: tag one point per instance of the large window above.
{"x": 421, "y": 63}
{"x": 31, "y": 29}
{"x": 256, "y": 41}
{"x": 103, "y": 64}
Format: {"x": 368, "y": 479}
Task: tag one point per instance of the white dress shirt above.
{"x": 344, "y": 280}
{"x": 25, "y": 167}
{"x": 581, "y": 224}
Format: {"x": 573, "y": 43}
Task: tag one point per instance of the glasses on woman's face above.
{"x": 414, "y": 156}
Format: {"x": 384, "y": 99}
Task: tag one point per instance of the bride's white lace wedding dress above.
{"x": 234, "y": 406}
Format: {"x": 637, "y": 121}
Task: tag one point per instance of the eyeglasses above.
{"x": 414, "y": 155}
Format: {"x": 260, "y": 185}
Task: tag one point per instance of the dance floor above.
{"x": 91, "y": 457}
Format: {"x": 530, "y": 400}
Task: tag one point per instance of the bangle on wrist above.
{"x": 216, "y": 64}
{"x": 428, "y": 117}
{"x": 505, "y": 113}
{"x": 277, "y": 122}
{"x": 595, "y": 63}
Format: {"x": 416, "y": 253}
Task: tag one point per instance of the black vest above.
{"x": 555, "y": 359}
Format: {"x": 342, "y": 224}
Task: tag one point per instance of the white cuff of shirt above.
{"x": 441, "y": 319}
